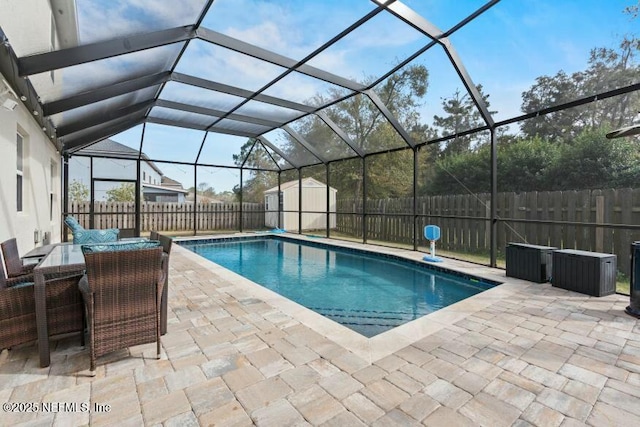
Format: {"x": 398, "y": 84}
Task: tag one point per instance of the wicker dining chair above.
{"x": 122, "y": 293}
{"x": 18, "y": 310}
{"x": 17, "y": 315}
{"x": 12, "y": 265}
{"x": 165, "y": 242}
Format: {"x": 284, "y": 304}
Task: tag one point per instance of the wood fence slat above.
{"x": 569, "y": 235}
{"x": 556, "y": 204}
{"x": 623, "y": 237}
{"x": 453, "y": 213}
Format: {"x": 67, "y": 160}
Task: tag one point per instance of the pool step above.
{"x": 366, "y": 317}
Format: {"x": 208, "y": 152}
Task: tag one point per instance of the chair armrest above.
{"x": 23, "y": 278}
{"x": 17, "y": 300}
{"x": 28, "y": 268}
{"x": 83, "y": 285}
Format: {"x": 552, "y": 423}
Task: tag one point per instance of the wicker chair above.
{"x": 165, "y": 242}
{"x": 17, "y": 301}
{"x": 122, "y": 294}
{"x": 13, "y": 268}
{"x": 18, "y": 315}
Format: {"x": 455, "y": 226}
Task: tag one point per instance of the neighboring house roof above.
{"x": 150, "y": 188}
{"x": 109, "y": 147}
{"x": 168, "y": 182}
{"x": 306, "y": 182}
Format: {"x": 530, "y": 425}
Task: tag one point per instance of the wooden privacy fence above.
{"x": 591, "y": 220}
{"x": 465, "y": 227}
{"x": 171, "y": 216}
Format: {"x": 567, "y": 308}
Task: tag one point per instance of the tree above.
{"x": 590, "y": 161}
{"x": 370, "y": 131}
{"x": 125, "y": 192}
{"x": 461, "y": 173}
{"x": 608, "y": 69}
{"x": 462, "y": 115}
{"x": 523, "y": 164}
{"x": 204, "y": 189}
{"x": 78, "y": 192}
{"x": 258, "y": 180}
{"x": 547, "y": 92}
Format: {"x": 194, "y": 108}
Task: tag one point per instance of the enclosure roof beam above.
{"x": 269, "y": 154}
{"x": 300, "y": 139}
{"x": 274, "y": 58}
{"x": 278, "y": 151}
{"x": 204, "y": 128}
{"x": 76, "y": 142}
{"x": 242, "y": 93}
{"x": 104, "y": 92}
{"x": 216, "y": 113}
{"x": 102, "y": 118}
{"x": 427, "y": 28}
{"x": 390, "y": 118}
{"x": 62, "y": 58}
{"x": 244, "y": 161}
{"x": 341, "y": 134}
{"x": 304, "y": 62}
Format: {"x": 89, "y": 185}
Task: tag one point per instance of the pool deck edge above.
{"x": 386, "y": 343}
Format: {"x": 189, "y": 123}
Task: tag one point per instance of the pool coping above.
{"x": 381, "y": 345}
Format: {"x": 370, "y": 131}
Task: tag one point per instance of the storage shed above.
{"x": 314, "y": 198}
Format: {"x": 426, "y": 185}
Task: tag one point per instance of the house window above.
{"x": 20, "y": 170}
{"x": 144, "y": 176}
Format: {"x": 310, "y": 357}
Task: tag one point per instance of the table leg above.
{"x": 41, "y": 318}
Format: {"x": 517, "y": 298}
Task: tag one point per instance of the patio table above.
{"x": 64, "y": 260}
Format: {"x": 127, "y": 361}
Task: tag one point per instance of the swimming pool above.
{"x": 366, "y": 292}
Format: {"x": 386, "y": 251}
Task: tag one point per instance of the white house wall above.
{"x": 39, "y": 156}
{"x": 42, "y": 164}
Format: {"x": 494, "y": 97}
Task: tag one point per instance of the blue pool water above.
{"x": 366, "y": 292}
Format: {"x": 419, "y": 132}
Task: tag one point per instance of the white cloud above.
{"x": 103, "y": 20}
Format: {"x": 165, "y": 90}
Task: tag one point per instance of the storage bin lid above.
{"x": 584, "y": 253}
{"x": 526, "y": 245}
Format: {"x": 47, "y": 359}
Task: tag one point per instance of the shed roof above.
{"x": 306, "y": 183}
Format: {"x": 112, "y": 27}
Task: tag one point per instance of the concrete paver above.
{"x": 536, "y": 355}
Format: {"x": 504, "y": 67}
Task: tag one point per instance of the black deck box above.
{"x": 590, "y": 273}
{"x": 529, "y": 262}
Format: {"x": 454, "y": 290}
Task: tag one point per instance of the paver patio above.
{"x": 531, "y": 355}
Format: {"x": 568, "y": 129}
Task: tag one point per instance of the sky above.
{"x": 505, "y": 49}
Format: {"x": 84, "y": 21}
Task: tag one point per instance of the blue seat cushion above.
{"x": 81, "y": 237}
{"x": 120, "y": 246}
{"x": 73, "y": 224}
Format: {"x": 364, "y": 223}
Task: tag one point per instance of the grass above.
{"x": 622, "y": 280}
